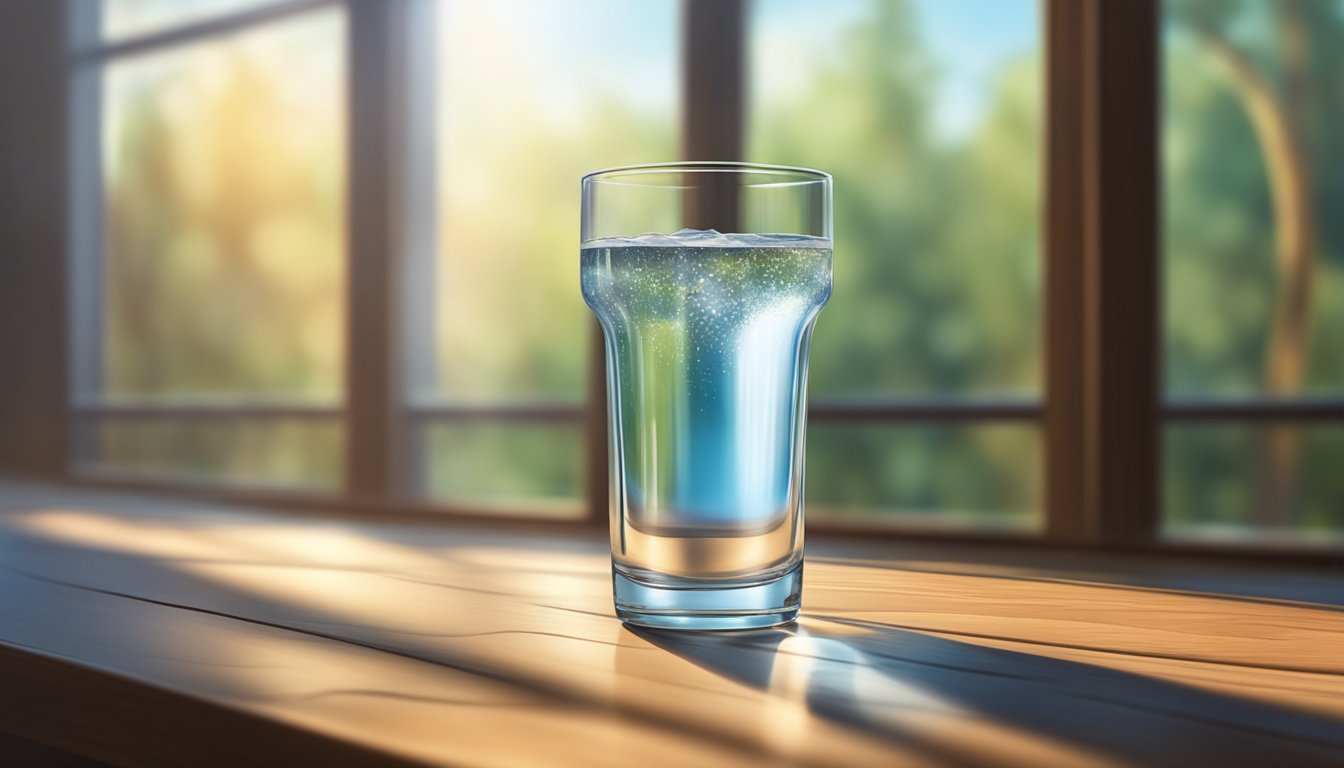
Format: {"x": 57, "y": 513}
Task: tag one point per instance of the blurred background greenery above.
{"x": 1254, "y": 259}
{"x": 224, "y": 209}
{"x": 929, "y": 117}
{"x": 224, "y": 198}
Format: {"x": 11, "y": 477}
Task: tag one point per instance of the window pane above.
{"x": 1254, "y": 265}
{"x": 531, "y": 95}
{"x": 290, "y": 453}
{"x": 125, "y": 18}
{"x": 509, "y": 466}
{"x": 224, "y": 191}
{"x": 1223, "y": 481}
{"x": 982, "y": 475}
{"x": 928, "y": 113}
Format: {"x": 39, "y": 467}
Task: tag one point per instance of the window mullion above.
{"x": 1066, "y": 515}
{"x": 712, "y": 110}
{"x": 375, "y": 245}
{"x": 1122, "y": 271}
{"x": 713, "y": 79}
{"x": 1102, "y": 260}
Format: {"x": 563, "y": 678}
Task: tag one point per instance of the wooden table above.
{"x": 149, "y": 631}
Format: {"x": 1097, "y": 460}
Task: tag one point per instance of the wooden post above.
{"x": 713, "y": 106}
{"x": 387, "y": 220}
{"x": 1102, "y": 259}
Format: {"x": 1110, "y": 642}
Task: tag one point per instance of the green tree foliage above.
{"x": 221, "y": 281}
{"x": 224, "y": 220}
{"x": 1225, "y": 271}
{"x": 224, "y": 224}
{"x": 937, "y": 276}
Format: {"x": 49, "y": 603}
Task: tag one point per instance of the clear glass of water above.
{"x": 707, "y": 279}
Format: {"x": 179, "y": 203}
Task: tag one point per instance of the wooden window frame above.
{"x": 1101, "y": 257}
{"x": 1100, "y": 413}
{"x": 1104, "y": 303}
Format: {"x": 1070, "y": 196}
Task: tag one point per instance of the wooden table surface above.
{"x": 150, "y": 631}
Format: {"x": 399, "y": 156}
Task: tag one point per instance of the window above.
{"x": 928, "y": 114}
{"x": 1253, "y": 270}
{"x": 211, "y": 306}
{"x": 1086, "y": 258}
{"x": 525, "y": 107}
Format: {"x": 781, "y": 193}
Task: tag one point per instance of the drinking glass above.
{"x": 706, "y": 279}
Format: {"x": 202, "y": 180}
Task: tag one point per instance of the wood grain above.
{"x": 148, "y": 632}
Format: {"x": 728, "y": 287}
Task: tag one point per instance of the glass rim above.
{"x": 800, "y": 174}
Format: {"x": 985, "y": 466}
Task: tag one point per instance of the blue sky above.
{"x": 968, "y": 40}
{"x": 971, "y": 40}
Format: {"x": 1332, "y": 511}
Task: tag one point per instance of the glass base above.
{"x": 700, "y": 605}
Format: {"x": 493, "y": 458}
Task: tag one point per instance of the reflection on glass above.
{"x": 928, "y": 114}
{"x": 224, "y": 191}
{"x": 125, "y": 18}
{"x": 257, "y": 451}
{"x": 531, "y": 96}
{"x": 1254, "y": 248}
{"x": 1213, "y": 479}
{"x": 981, "y": 475}
{"x": 535, "y": 468}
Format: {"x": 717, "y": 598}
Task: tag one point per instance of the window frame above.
{"x": 1104, "y": 310}
{"x": 1101, "y": 410}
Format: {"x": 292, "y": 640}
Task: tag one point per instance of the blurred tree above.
{"x": 1275, "y": 113}
{"x": 224, "y": 208}
{"x": 224, "y": 223}
{"x": 1253, "y": 264}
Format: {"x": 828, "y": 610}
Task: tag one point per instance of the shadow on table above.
{"x": 884, "y": 680}
{"x": 430, "y": 596}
